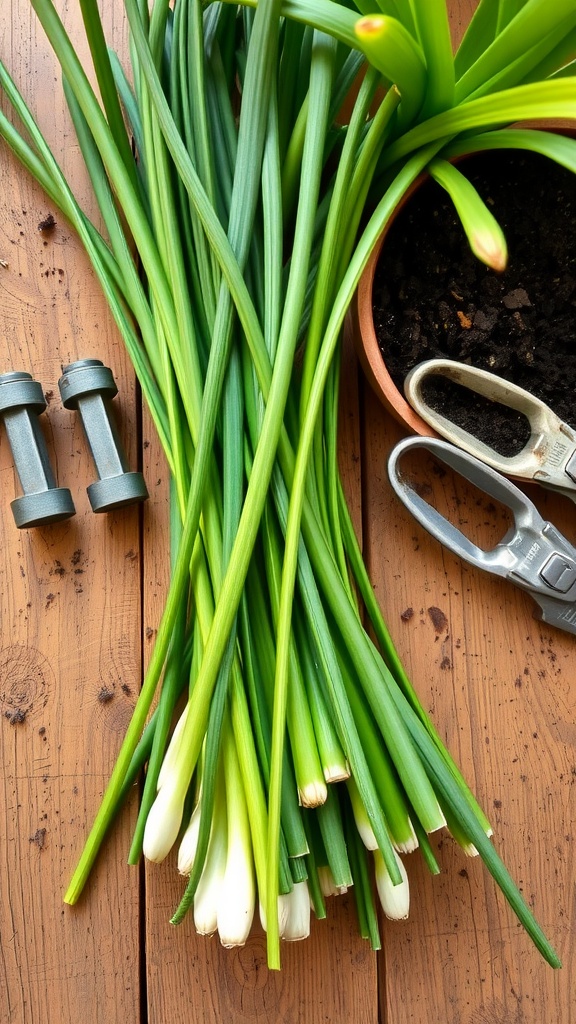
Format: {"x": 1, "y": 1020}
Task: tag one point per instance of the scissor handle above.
{"x": 527, "y": 519}
{"x": 544, "y": 423}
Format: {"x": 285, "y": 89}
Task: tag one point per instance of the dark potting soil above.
{"x": 433, "y": 298}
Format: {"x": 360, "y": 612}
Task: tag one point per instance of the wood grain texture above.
{"x": 498, "y": 686}
{"x": 80, "y": 601}
{"x": 70, "y": 614}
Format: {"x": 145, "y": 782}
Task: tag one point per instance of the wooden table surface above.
{"x": 79, "y": 604}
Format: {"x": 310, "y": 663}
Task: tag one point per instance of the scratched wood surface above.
{"x": 79, "y": 603}
{"x": 500, "y": 687}
{"x": 70, "y": 598}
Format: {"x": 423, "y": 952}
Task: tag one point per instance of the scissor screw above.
{"x": 21, "y": 403}
{"x": 88, "y": 386}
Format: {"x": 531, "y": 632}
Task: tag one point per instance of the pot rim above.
{"x": 371, "y": 358}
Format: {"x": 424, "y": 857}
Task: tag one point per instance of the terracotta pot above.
{"x": 367, "y": 347}
{"x": 371, "y": 358}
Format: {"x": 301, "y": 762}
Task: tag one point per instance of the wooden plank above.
{"x": 329, "y": 976}
{"x": 70, "y": 612}
{"x": 332, "y": 976}
{"x": 498, "y": 687}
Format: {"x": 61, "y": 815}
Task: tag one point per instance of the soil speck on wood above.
{"x": 15, "y": 717}
{"x": 434, "y": 299}
{"x": 39, "y": 838}
{"x": 439, "y": 620}
{"x": 47, "y": 224}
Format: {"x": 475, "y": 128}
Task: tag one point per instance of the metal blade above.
{"x": 561, "y": 614}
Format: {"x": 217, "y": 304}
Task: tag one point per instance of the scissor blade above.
{"x": 561, "y": 614}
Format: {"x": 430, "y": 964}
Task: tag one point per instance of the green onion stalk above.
{"x": 238, "y": 212}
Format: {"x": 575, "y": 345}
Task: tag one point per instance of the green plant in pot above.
{"x": 506, "y": 52}
{"x": 254, "y": 212}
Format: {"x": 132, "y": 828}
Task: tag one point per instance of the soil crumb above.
{"x": 47, "y": 225}
{"x": 439, "y": 620}
{"x": 39, "y": 838}
{"x": 15, "y": 717}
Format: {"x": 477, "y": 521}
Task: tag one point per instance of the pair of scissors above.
{"x": 549, "y": 454}
{"x": 533, "y": 554}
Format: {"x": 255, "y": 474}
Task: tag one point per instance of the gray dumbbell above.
{"x": 88, "y": 386}
{"x": 21, "y": 402}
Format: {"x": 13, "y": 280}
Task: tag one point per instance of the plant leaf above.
{"x": 483, "y": 232}
{"x": 539, "y": 100}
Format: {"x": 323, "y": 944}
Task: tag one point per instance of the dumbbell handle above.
{"x": 88, "y": 386}
{"x": 21, "y": 403}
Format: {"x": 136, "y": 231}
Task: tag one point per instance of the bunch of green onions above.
{"x": 286, "y": 753}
